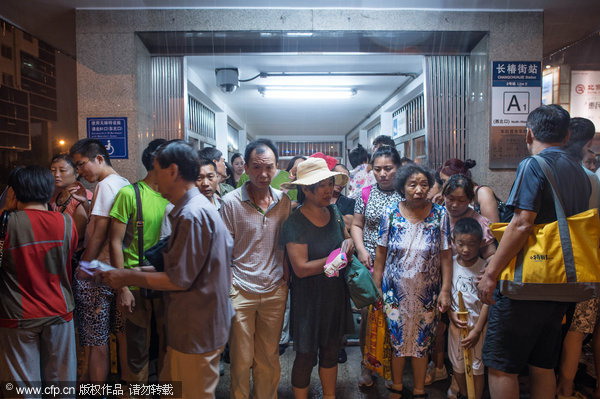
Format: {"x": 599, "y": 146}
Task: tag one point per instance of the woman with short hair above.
{"x": 37, "y": 337}
{"x": 413, "y": 268}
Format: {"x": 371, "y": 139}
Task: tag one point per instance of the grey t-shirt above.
{"x": 198, "y": 259}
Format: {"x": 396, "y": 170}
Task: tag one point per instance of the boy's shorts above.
{"x": 456, "y": 353}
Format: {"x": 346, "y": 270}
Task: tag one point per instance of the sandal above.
{"x": 395, "y": 393}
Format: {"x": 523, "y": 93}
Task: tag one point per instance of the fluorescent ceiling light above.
{"x": 303, "y": 92}
{"x": 299, "y": 33}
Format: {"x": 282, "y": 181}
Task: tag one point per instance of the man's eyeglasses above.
{"x": 80, "y": 164}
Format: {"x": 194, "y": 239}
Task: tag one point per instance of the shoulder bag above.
{"x": 358, "y": 278}
{"x": 560, "y": 261}
{"x": 139, "y": 224}
{"x": 3, "y": 231}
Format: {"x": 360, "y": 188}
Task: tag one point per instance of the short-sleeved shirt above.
{"x": 70, "y": 206}
{"x": 464, "y": 280}
{"x": 532, "y": 192}
{"x": 346, "y": 205}
{"x": 360, "y": 177}
{"x": 104, "y": 197}
{"x": 595, "y": 182}
{"x": 257, "y": 262}
{"x": 377, "y": 203}
{"x": 197, "y": 259}
{"x": 124, "y": 210}
{"x": 281, "y": 177}
{"x": 35, "y": 275}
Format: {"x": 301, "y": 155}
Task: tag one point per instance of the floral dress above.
{"x": 413, "y": 277}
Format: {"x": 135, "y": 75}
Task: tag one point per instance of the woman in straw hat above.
{"x": 320, "y": 305}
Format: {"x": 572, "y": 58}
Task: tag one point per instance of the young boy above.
{"x": 467, "y": 236}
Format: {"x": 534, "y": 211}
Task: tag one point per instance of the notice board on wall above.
{"x": 112, "y": 132}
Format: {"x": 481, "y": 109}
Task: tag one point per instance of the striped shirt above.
{"x": 257, "y": 261}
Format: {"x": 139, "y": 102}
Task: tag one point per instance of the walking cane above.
{"x": 463, "y": 315}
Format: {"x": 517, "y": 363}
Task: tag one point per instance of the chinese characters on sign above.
{"x": 112, "y": 132}
{"x": 585, "y": 95}
{"x": 516, "y": 90}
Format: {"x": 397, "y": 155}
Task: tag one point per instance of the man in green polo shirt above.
{"x": 124, "y": 252}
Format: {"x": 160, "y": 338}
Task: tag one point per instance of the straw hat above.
{"x": 312, "y": 171}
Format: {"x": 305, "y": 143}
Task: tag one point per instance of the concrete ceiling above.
{"x": 565, "y": 21}
{"x": 265, "y": 116}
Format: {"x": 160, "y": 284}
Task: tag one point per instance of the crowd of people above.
{"x": 211, "y": 258}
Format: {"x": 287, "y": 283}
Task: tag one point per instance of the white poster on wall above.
{"x": 399, "y": 125}
{"x": 547, "y": 88}
{"x": 585, "y": 96}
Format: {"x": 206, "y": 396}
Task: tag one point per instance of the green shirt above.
{"x": 281, "y": 177}
{"x": 124, "y": 210}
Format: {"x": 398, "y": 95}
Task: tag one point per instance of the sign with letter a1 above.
{"x": 516, "y": 91}
{"x": 112, "y": 132}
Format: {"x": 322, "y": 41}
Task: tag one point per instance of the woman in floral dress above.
{"x": 413, "y": 268}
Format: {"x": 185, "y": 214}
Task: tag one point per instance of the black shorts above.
{"x": 522, "y": 333}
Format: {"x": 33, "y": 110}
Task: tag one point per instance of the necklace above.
{"x": 62, "y": 205}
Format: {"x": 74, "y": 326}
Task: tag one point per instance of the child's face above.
{"x": 467, "y": 246}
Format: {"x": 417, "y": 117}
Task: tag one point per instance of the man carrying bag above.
{"x": 524, "y": 332}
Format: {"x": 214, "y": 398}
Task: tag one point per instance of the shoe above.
{"x": 453, "y": 390}
{"x": 576, "y": 395}
{"x": 342, "y": 356}
{"x": 434, "y": 374}
{"x": 366, "y": 378}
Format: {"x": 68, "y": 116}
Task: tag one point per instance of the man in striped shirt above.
{"x": 254, "y": 215}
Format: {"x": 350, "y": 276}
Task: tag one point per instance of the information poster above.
{"x": 516, "y": 90}
{"x": 399, "y": 125}
{"x": 112, "y": 132}
{"x": 585, "y": 96}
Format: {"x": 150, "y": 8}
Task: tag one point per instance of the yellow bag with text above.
{"x": 560, "y": 261}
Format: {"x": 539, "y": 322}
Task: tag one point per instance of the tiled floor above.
{"x": 346, "y": 387}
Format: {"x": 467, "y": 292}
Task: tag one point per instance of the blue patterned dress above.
{"x": 413, "y": 277}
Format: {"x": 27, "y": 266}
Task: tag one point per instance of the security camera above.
{"x": 227, "y": 79}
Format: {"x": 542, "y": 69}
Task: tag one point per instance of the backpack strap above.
{"x": 365, "y": 194}
{"x": 139, "y": 223}
{"x": 3, "y": 231}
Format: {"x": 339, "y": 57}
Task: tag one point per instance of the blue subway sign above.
{"x": 112, "y": 132}
{"x": 517, "y": 74}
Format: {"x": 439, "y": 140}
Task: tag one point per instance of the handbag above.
{"x": 560, "y": 261}
{"x": 3, "y": 230}
{"x": 358, "y": 278}
{"x": 377, "y": 351}
{"x": 144, "y": 292}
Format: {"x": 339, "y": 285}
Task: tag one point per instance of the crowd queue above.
{"x": 206, "y": 265}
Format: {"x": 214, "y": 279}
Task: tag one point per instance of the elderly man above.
{"x": 254, "y": 214}
{"x": 196, "y": 276}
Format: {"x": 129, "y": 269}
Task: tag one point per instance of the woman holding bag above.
{"x": 413, "y": 268}
{"x": 320, "y": 305}
{"x": 370, "y": 206}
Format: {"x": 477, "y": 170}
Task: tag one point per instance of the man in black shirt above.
{"x": 528, "y": 333}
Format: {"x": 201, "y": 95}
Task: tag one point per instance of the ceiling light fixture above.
{"x": 309, "y": 93}
{"x": 299, "y": 34}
